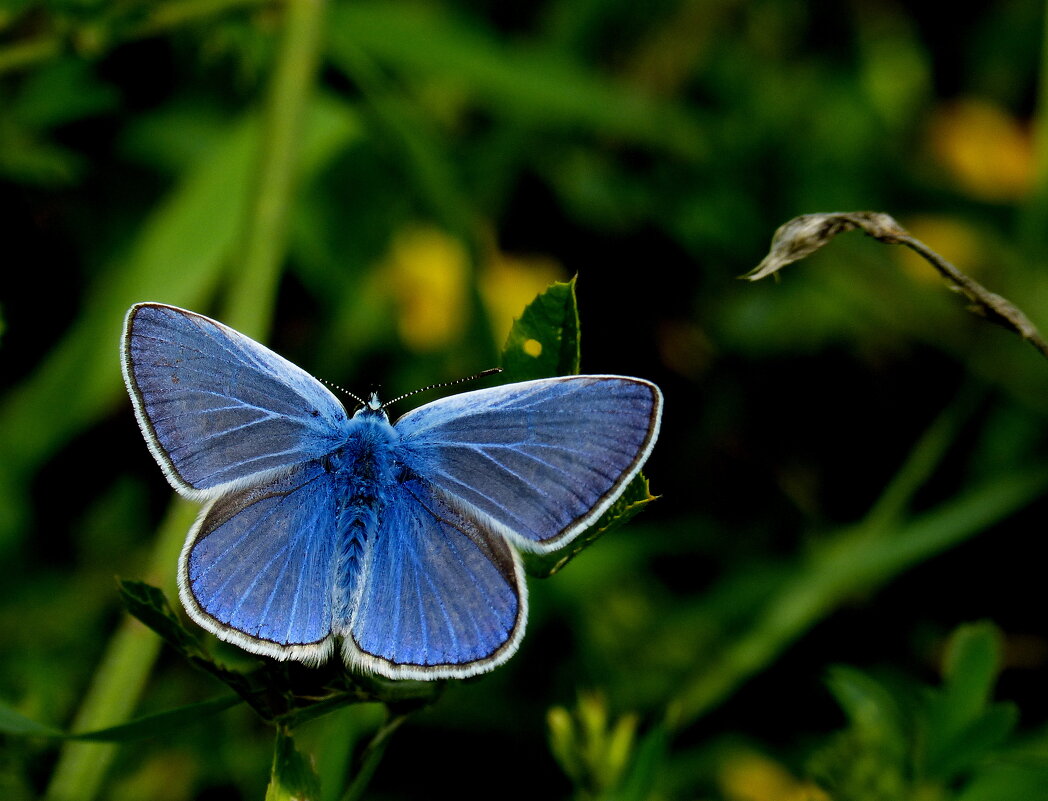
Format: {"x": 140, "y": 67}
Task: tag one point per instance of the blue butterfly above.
{"x": 397, "y": 542}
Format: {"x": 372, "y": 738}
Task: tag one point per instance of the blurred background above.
{"x": 851, "y": 465}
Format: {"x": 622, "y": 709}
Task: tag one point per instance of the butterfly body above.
{"x": 396, "y": 543}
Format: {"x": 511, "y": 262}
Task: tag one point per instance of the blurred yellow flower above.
{"x": 427, "y": 272}
{"x": 986, "y": 151}
{"x": 749, "y": 776}
{"x": 509, "y": 283}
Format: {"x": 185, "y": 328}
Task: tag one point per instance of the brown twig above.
{"x": 803, "y": 235}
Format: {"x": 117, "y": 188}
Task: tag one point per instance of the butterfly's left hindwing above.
{"x": 541, "y": 460}
{"x": 217, "y": 408}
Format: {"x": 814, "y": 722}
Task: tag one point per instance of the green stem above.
{"x": 371, "y": 756}
{"x": 253, "y": 290}
{"x": 921, "y": 463}
{"x": 851, "y": 562}
{"x": 291, "y": 777}
{"x": 1034, "y": 219}
{"x": 433, "y": 171}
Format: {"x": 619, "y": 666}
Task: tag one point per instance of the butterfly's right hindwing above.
{"x": 259, "y": 567}
{"x": 218, "y": 409}
{"x": 440, "y": 596}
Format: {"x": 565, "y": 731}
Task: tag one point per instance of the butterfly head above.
{"x": 373, "y": 408}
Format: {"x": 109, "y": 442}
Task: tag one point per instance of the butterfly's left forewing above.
{"x": 218, "y": 409}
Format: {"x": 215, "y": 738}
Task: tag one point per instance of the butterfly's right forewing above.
{"x": 540, "y": 460}
{"x": 218, "y": 409}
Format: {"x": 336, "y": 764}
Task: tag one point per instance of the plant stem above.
{"x": 91, "y": 40}
{"x": 1033, "y": 222}
{"x": 253, "y": 289}
{"x": 802, "y": 236}
{"x": 427, "y": 161}
{"x": 855, "y": 560}
{"x": 371, "y": 756}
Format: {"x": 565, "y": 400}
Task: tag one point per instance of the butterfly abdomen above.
{"x": 364, "y": 466}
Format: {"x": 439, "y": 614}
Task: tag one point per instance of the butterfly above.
{"x": 397, "y": 543}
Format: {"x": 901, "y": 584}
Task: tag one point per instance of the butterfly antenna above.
{"x": 481, "y": 374}
{"x": 342, "y": 390}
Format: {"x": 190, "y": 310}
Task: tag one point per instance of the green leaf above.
{"x": 1007, "y": 782}
{"x": 284, "y": 692}
{"x": 970, "y": 667}
{"x": 848, "y": 562}
{"x": 962, "y": 725}
{"x": 870, "y": 759}
{"x": 12, "y": 722}
{"x": 870, "y": 707}
{"x": 966, "y": 748}
{"x": 160, "y": 723}
{"x": 366, "y": 761}
{"x": 60, "y": 92}
{"x": 648, "y": 764}
{"x": 149, "y": 604}
{"x": 292, "y": 777}
{"x": 544, "y": 341}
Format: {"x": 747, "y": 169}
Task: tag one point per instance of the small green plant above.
{"x": 952, "y": 742}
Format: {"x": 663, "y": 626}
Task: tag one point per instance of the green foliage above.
{"x": 948, "y": 742}
{"x": 292, "y": 778}
{"x": 544, "y": 342}
{"x": 593, "y": 750}
{"x": 11, "y": 722}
